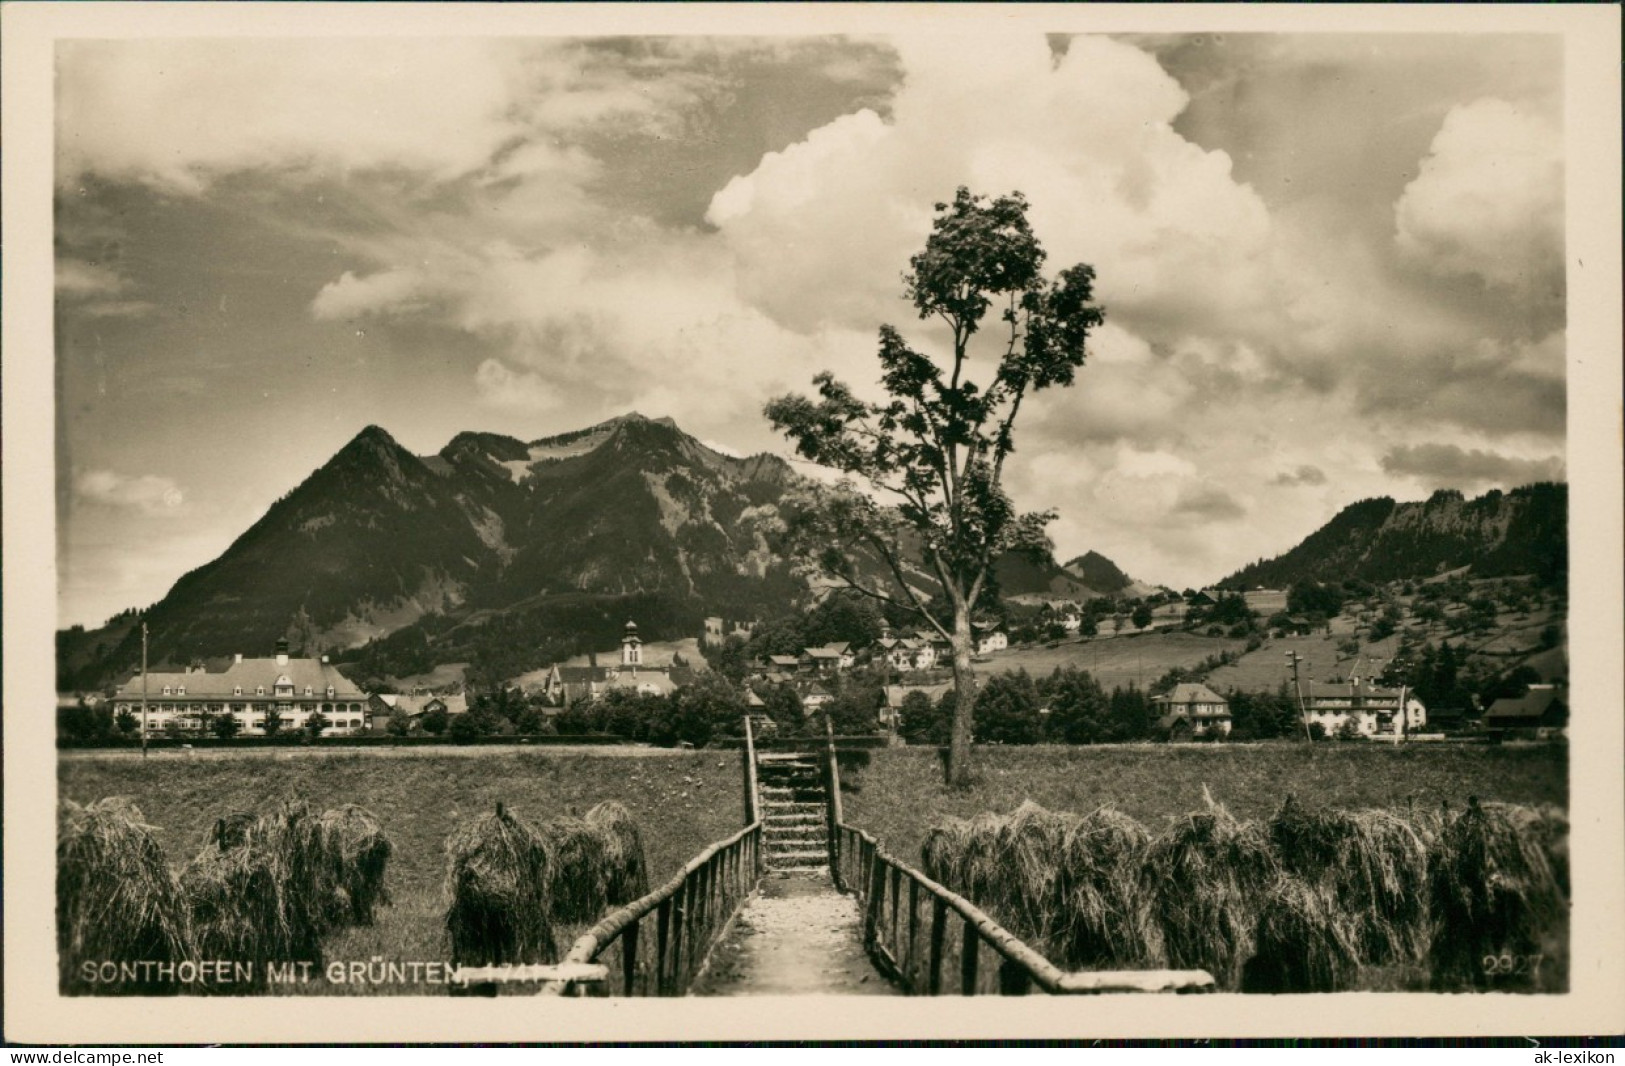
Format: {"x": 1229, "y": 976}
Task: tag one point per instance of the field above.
{"x": 682, "y": 801}
{"x": 900, "y": 795}
{"x": 1115, "y": 661}
{"x": 1141, "y": 658}
{"x": 1264, "y": 669}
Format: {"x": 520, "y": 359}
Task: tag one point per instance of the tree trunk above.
{"x": 958, "y": 771}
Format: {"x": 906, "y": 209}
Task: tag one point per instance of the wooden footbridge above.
{"x": 799, "y": 902}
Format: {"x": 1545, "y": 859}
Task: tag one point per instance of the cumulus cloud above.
{"x": 1303, "y": 475}
{"x": 147, "y": 494}
{"x": 180, "y": 111}
{"x": 823, "y": 229}
{"x": 499, "y": 385}
{"x": 1209, "y": 501}
{"x": 386, "y": 291}
{"x": 75, "y": 278}
{"x": 1489, "y": 198}
{"x": 97, "y": 291}
{"x": 1439, "y": 466}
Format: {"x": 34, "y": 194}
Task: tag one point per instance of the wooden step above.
{"x": 793, "y": 819}
{"x": 772, "y": 807}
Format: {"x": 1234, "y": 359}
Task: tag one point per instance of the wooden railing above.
{"x": 753, "y": 796}
{"x": 654, "y": 946}
{"x": 931, "y": 941}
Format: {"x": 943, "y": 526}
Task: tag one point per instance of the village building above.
{"x": 914, "y": 650}
{"x": 565, "y": 686}
{"x": 381, "y": 707}
{"x": 815, "y": 696}
{"x": 1192, "y": 711}
{"x": 990, "y": 637}
{"x": 251, "y": 691}
{"x": 829, "y": 659}
{"x": 1543, "y": 709}
{"x": 1374, "y": 711}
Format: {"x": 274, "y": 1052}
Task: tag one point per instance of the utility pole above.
{"x": 143, "y": 689}
{"x": 1297, "y": 687}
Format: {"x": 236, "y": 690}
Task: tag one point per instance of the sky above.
{"x": 1332, "y": 266}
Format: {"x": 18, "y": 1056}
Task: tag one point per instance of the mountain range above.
{"x": 379, "y": 540}
{"x": 510, "y": 554}
{"x": 1524, "y": 531}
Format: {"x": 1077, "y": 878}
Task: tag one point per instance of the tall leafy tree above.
{"x": 932, "y": 453}
{"x": 1007, "y": 710}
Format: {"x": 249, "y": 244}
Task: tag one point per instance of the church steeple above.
{"x": 631, "y": 646}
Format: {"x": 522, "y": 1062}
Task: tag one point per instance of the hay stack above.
{"x": 623, "y": 851}
{"x": 1103, "y": 912}
{"x": 580, "y": 871}
{"x": 116, "y": 899}
{"x": 1372, "y": 864}
{"x": 1306, "y": 942}
{"x": 1023, "y": 884}
{"x": 240, "y": 910}
{"x": 964, "y": 855}
{"x": 1069, "y": 885}
{"x": 1493, "y": 891}
{"x": 1550, "y": 826}
{"x": 268, "y": 891}
{"x": 498, "y": 878}
{"x": 1207, "y": 876}
{"x": 357, "y": 845}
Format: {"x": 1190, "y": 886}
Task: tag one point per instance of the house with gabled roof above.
{"x": 1542, "y": 707}
{"x": 828, "y": 659}
{"x": 815, "y": 696}
{"x": 1191, "y": 711}
{"x": 251, "y": 691}
{"x": 381, "y": 707}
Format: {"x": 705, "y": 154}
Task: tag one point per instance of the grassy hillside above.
{"x": 900, "y": 795}
{"x": 682, "y": 801}
{"x": 1117, "y": 660}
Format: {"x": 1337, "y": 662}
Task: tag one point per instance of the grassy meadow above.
{"x": 1116, "y": 661}
{"x": 682, "y": 801}
{"x": 899, "y": 795}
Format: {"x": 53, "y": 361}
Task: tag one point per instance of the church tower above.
{"x": 631, "y": 646}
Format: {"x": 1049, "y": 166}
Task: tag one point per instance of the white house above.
{"x": 990, "y": 638}
{"x": 251, "y": 691}
{"x": 1374, "y": 711}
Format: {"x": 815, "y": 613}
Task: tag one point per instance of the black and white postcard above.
{"x": 1086, "y": 522}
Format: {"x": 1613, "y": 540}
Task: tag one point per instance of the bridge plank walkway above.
{"x": 797, "y": 936}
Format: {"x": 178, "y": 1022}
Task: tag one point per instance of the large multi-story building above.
{"x": 1373, "y": 711}
{"x": 251, "y": 691}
